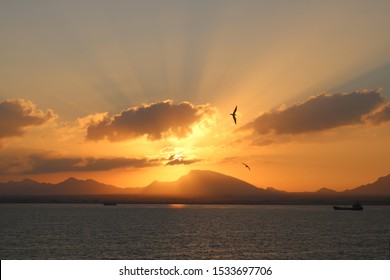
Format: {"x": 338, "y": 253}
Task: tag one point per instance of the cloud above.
{"x": 323, "y": 112}
{"x": 17, "y": 114}
{"x": 36, "y": 164}
{"x": 178, "y": 156}
{"x": 156, "y": 121}
{"x": 381, "y": 115}
{"x": 182, "y": 160}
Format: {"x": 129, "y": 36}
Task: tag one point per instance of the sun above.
{"x": 177, "y": 156}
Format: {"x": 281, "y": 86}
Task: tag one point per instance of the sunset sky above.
{"x": 128, "y": 92}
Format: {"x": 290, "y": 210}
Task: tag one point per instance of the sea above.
{"x": 169, "y": 232}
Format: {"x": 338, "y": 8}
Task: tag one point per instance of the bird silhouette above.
{"x": 246, "y": 165}
{"x": 234, "y": 115}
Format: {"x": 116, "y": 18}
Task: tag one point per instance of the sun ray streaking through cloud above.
{"x": 91, "y": 85}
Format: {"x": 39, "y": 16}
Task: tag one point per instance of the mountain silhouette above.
{"x": 205, "y": 183}
{"x": 70, "y": 186}
{"x": 380, "y": 187}
{"x": 75, "y": 186}
{"x": 326, "y": 191}
{"x": 25, "y": 187}
{"x": 197, "y": 184}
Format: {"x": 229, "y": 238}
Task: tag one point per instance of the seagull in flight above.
{"x": 234, "y": 115}
{"x": 246, "y": 165}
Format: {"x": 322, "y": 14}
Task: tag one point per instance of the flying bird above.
{"x": 234, "y": 115}
{"x": 246, "y": 165}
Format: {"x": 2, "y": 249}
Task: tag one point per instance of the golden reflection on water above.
{"x": 177, "y": 206}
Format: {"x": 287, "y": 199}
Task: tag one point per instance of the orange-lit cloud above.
{"x": 18, "y": 114}
{"x": 156, "y": 121}
{"x": 381, "y": 115}
{"x": 322, "y": 112}
{"x": 36, "y": 164}
{"x": 178, "y": 156}
{"x": 181, "y": 160}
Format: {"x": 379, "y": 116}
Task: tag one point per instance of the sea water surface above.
{"x": 91, "y": 231}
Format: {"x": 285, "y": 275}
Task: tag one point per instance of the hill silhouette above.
{"x": 205, "y": 183}
{"x": 70, "y": 186}
{"x": 325, "y": 191}
{"x": 201, "y": 186}
{"x": 380, "y": 187}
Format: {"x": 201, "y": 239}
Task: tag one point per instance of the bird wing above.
{"x": 234, "y": 118}
{"x": 235, "y": 110}
{"x": 246, "y": 165}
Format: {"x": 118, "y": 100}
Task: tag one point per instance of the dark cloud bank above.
{"x": 17, "y": 114}
{"x": 183, "y": 161}
{"x": 39, "y": 164}
{"x": 35, "y": 164}
{"x": 323, "y": 112}
{"x": 156, "y": 121}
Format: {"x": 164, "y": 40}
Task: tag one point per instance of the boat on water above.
{"x": 356, "y": 206}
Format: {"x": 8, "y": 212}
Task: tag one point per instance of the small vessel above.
{"x": 109, "y": 203}
{"x": 355, "y": 206}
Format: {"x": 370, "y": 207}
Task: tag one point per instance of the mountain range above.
{"x": 196, "y": 185}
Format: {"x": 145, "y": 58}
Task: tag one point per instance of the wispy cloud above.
{"x": 182, "y": 160}
{"x": 382, "y": 114}
{"x": 36, "y": 164}
{"x": 322, "y": 112}
{"x": 156, "y": 121}
{"x": 178, "y": 156}
{"x": 18, "y": 114}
